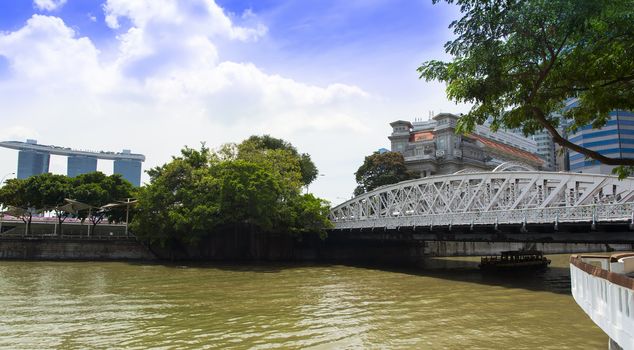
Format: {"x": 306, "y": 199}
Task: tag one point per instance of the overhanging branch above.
{"x": 541, "y": 118}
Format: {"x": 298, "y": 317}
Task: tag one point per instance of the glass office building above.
{"x": 33, "y": 159}
{"x": 32, "y": 163}
{"x": 129, "y": 169}
{"x": 615, "y": 140}
{"x": 78, "y": 165}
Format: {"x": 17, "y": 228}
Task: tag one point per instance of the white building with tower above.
{"x": 432, "y": 147}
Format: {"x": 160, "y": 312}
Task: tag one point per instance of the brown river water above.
{"x": 449, "y": 304}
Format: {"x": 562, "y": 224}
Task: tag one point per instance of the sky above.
{"x": 154, "y": 76}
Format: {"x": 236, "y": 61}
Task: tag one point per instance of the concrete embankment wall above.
{"x": 72, "y": 249}
{"x": 452, "y": 248}
{"x": 240, "y": 246}
{"x": 342, "y": 247}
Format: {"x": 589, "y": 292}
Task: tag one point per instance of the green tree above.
{"x": 48, "y": 193}
{"x": 264, "y": 143}
{"x": 39, "y": 193}
{"x": 97, "y": 190}
{"x": 380, "y": 169}
{"x": 307, "y": 214}
{"x": 180, "y": 203}
{"x": 249, "y": 196}
{"x": 518, "y": 61}
{"x": 16, "y": 193}
{"x": 238, "y": 188}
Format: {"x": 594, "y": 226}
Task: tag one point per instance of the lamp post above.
{"x": 1, "y": 204}
{"x": 4, "y": 177}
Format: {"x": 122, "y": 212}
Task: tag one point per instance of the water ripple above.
{"x": 83, "y": 305}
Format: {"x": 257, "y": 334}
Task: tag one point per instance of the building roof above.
{"x": 31, "y": 145}
{"x": 445, "y": 115}
{"x": 409, "y": 124}
{"x": 421, "y": 136}
{"x": 498, "y": 147}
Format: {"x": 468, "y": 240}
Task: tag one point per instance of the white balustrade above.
{"x": 609, "y": 304}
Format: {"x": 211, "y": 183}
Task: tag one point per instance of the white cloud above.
{"x": 165, "y": 86}
{"x": 48, "y": 5}
{"x": 47, "y": 52}
{"x": 18, "y": 133}
{"x": 195, "y": 16}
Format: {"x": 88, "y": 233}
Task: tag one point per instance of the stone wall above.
{"x": 452, "y": 248}
{"x": 73, "y": 249}
{"x": 340, "y": 247}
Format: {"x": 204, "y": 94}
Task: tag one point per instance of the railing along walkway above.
{"x": 606, "y": 296}
{"x": 586, "y": 213}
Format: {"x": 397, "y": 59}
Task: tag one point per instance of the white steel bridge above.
{"x": 510, "y": 194}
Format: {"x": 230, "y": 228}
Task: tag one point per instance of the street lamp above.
{"x": 4, "y": 177}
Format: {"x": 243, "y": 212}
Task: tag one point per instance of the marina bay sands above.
{"x": 34, "y": 159}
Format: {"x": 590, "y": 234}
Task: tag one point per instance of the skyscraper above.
{"x": 129, "y": 169}
{"x": 615, "y": 140}
{"x": 33, "y": 159}
{"x": 32, "y": 162}
{"x": 78, "y": 165}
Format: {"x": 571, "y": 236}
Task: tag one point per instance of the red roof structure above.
{"x": 421, "y": 136}
{"x": 509, "y": 151}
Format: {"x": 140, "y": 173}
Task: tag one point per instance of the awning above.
{"x": 72, "y": 206}
{"x": 119, "y": 204}
{"x": 15, "y": 211}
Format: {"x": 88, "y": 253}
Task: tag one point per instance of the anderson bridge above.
{"x": 512, "y": 203}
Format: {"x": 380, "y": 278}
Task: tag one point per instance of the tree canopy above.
{"x": 380, "y": 169}
{"x": 264, "y": 143}
{"x": 97, "y": 190}
{"x": 244, "y": 187}
{"x": 519, "y": 61}
{"x": 47, "y": 192}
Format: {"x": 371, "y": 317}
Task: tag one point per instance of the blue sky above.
{"x": 155, "y": 75}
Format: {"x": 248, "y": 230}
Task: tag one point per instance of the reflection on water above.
{"x": 448, "y": 304}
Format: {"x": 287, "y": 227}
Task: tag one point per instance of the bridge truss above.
{"x": 507, "y": 195}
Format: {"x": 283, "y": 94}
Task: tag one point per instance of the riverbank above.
{"x": 339, "y": 247}
{"x": 72, "y": 248}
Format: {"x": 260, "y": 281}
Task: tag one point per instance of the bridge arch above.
{"x": 504, "y": 196}
{"x": 513, "y": 166}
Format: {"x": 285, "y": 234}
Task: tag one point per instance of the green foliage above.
{"x": 380, "y": 169}
{"x": 97, "y": 190}
{"x": 517, "y": 62}
{"x": 49, "y": 189}
{"x": 250, "y": 195}
{"x": 306, "y": 214}
{"x": 180, "y": 202}
{"x": 266, "y": 143}
{"x": 46, "y": 192}
{"x": 254, "y": 187}
{"x": 17, "y": 193}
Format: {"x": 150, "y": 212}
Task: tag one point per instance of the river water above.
{"x": 83, "y": 305}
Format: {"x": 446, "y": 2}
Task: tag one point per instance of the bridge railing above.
{"x": 605, "y": 296}
{"x": 584, "y": 213}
